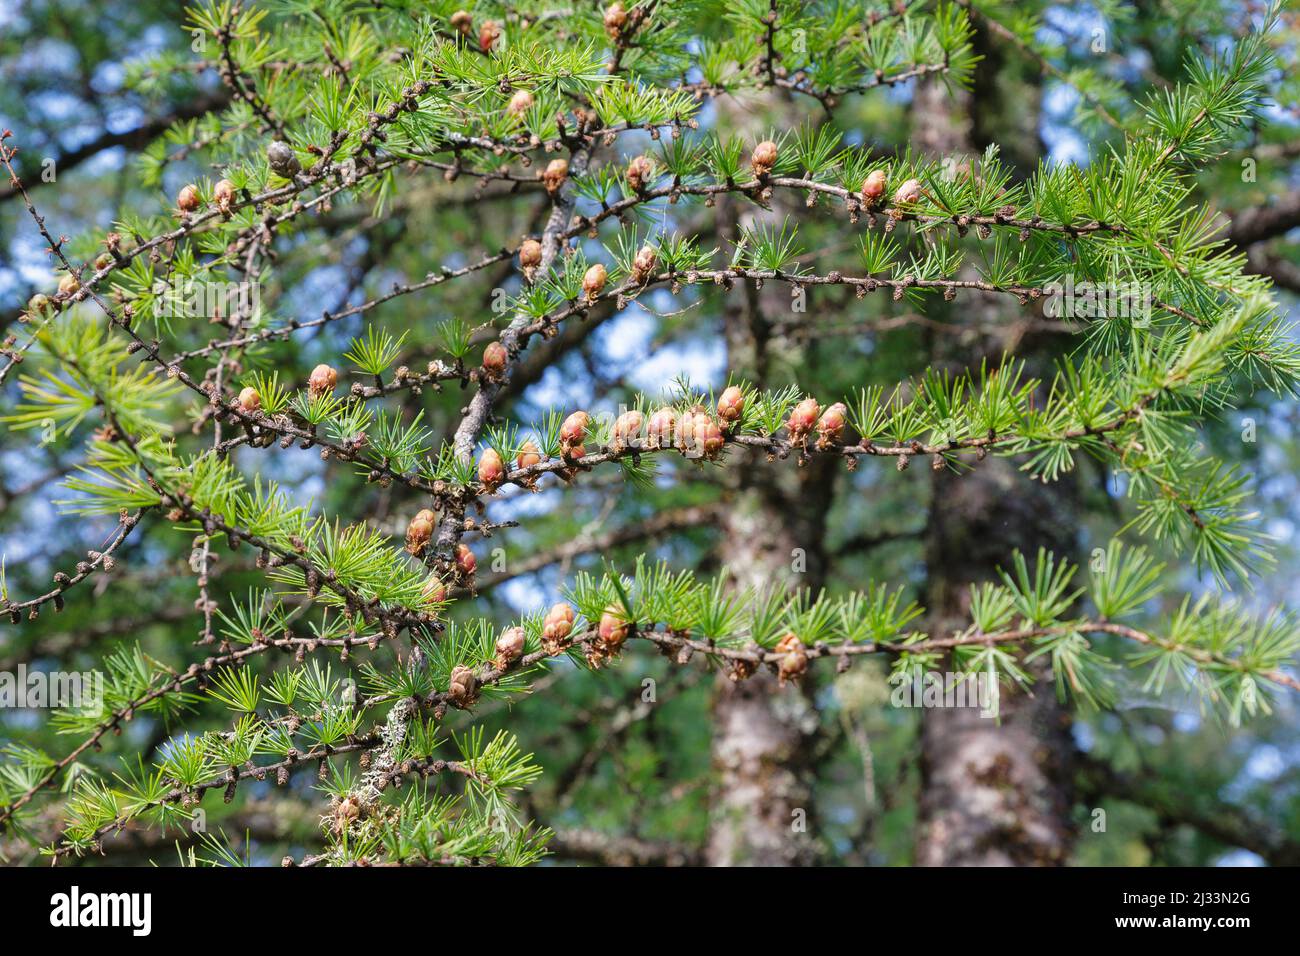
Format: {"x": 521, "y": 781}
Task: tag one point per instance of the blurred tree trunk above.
{"x": 773, "y": 536}
{"x": 993, "y": 792}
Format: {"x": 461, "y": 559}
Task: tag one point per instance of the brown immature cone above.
{"x": 462, "y": 22}
{"x": 530, "y": 257}
{"x": 687, "y": 437}
{"x": 249, "y": 400}
{"x": 639, "y": 172}
{"x": 627, "y": 429}
{"x": 37, "y": 304}
{"x": 527, "y": 457}
{"x": 763, "y": 158}
{"x": 830, "y": 427}
{"x": 593, "y": 282}
{"x": 613, "y": 630}
{"x": 741, "y": 669}
{"x": 557, "y": 171}
{"x": 188, "y": 199}
{"x": 510, "y": 647}
{"x": 907, "y": 193}
{"x": 659, "y": 430}
{"x": 463, "y": 687}
{"x": 434, "y": 591}
{"x": 615, "y": 18}
{"x": 466, "y": 564}
{"x": 346, "y": 811}
{"x": 488, "y": 34}
{"x": 495, "y": 358}
{"x": 643, "y": 266}
{"x": 795, "y": 662}
{"x": 282, "y": 159}
{"x": 802, "y": 420}
{"x": 574, "y": 431}
{"x": 520, "y": 103}
{"x": 731, "y": 404}
{"x": 699, "y": 435}
{"x": 322, "y": 381}
{"x": 556, "y": 628}
{"x": 223, "y": 194}
{"x": 708, "y": 435}
{"x": 69, "y": 285}
{"x": 571, "y": 453}
{"x": 491, "y": 469}
{"x": 873, "y": 187}
{"x": 420, "y": 531}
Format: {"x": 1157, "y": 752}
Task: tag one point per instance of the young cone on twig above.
{"x": 611, "y": 634}
{"x": 510, "y": 647}
{"x": 556, "y": 627}
{"x": 530, "y": 257}
{"x": 37, "y": 305}
{"x": 873, "y": 188}
{"x": 763, "y": 159}
{"x": 802, "y": 420}
{"x": 557, "y": 171}
{"x": 495, "y": 359}
{"x": 698, "y": 435}
{"x": 322, "y": 381}
{"x": 627, "y": 430}
{"x": 528, "y": 456}
{"x": 573, "y": 432}
{"x": 187, "y": 200}
{"x": 491, "y": 469}
{"x": 731, "y": 405}
{"x": 830, "y": 427}
{"x": 615, "y": 17}
{"x": 434, "y": 591}
{"x": 709, "y": 435}
{"x": 466, "y": 564}
{"x": 282, "y": 160}
{"x": 639, "y": 173}
{"x": 420, "y": 531}
{"x": 660, "y": 428}
{"x": 794, "y": 663}
{"x": 643, "y": 266}
{"x": 593, "y": 282}
{"x": 223, "y": 194}
{"x": 463, "y": 686}
{"x": 908, "y": 193}
{"x": 520, "y": 103}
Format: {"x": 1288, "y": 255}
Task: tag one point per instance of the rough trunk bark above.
{"x": 993, "y": 792}
{"x": 773, "y": 533}
{"x": 762, "y": 735}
